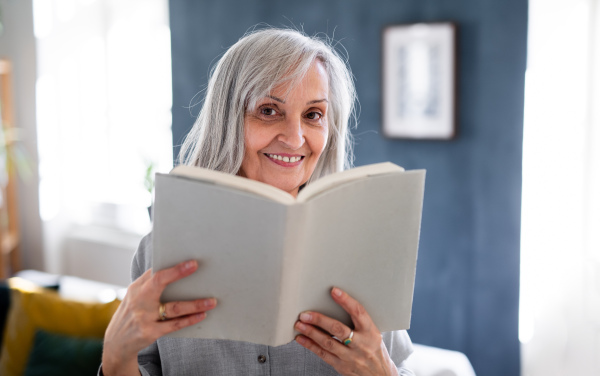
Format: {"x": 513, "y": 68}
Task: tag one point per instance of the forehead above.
{"x": 315, "y": 82}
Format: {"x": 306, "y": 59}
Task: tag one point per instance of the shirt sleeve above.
{"x": 403, "y": 371}
{"x": 142, "y": 260}
{"x": 399, "y": 347}
{"x": 148, "y": 358}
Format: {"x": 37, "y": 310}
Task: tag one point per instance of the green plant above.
{"x": 149, "y": 176}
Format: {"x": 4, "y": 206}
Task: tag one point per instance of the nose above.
{"x": 292, "y": 133}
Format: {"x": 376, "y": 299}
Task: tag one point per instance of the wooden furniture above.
{"x": 9, "y": 220}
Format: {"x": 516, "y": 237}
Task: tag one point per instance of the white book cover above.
{"x": 267, "y": 256}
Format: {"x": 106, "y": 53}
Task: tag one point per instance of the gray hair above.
{"x": 249, "y": 70}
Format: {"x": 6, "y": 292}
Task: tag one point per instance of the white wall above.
{"x": 17, "y": 44}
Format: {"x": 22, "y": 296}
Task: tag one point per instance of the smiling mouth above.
{"x": 284, "y": 158}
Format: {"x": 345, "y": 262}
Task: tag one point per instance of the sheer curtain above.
{"x": 104, "y": 113}
{"x": 560, "y": 246}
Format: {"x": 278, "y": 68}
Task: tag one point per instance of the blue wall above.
{"x": 466, "y": 294}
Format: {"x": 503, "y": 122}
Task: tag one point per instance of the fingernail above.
{"x": 300, "y": 339}
{"x": 189, "y": 265}
{"x": 210, "y": 302}
{"x": 337, "y": 292}
{"x": 300, "y": 326}
{"x": 305, "y": 316}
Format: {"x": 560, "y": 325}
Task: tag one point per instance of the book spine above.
{"x": 291, "y": 271}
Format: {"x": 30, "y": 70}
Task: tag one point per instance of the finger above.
{"x": 357, "y": 312}
{"x": 163, "y": 277}
{"x": 174, "y": 325}
{"x": 185, "y": 308}
{"x": 328, "y": 357}
{"x": 326, "y": 323}
{"x": 325, "y": 341}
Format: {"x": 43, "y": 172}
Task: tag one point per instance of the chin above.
{"x": 285, "y": 187}
{"x": 280, "y": 181}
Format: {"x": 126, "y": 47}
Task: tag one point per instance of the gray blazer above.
{"x": 191, "y": 356}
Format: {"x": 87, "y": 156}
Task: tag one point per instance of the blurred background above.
{"x": 103, "y": 92}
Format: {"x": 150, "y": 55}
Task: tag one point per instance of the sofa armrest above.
{"x": 434, "y": 361}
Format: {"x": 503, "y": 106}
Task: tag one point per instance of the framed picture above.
{"x": 419, "y": 81}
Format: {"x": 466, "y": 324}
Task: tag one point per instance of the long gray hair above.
{"x": 249, "y": 70}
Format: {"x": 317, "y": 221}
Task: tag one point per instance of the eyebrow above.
{"x": 277, "y": 99}
{"x": 311, "y": 102}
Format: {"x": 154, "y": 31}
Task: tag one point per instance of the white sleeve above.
{"x": 399, "y": 347}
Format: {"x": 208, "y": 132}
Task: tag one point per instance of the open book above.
{"x": 267, "y": 256}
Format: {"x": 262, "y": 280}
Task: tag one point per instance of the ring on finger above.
{"x": 348, "y": 340}
{"x": 162, "y": 312}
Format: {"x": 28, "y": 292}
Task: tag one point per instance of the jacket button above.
{"x": 262, "y": 358}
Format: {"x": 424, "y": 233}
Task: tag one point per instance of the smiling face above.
{"x": 287, "y": 132}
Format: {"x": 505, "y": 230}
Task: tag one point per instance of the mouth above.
{"x": 285, "y": 159}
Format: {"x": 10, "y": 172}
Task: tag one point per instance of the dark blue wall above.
{"x": 466, "y": 294}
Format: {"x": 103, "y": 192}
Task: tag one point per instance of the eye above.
{"x": 314, "y": 115}
{"x": 268, "y": 111}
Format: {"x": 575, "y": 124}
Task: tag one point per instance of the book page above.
{"x": 276, "y": 194}
{"x": 333, "y": 180}
{"x": 237, "y": 239}
{"x": 233, "y": 181}
{"x": 363, "y": 237}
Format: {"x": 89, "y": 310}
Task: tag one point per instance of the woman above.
{"x": 276, "y": 110}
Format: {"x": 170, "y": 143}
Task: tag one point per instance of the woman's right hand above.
{"x": 136, "y": 324}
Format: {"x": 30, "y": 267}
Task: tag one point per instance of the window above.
{"x": 560, "y": 244}
{"x": 103, "y": 108}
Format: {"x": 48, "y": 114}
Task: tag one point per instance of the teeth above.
{"x": 284, "y": 159}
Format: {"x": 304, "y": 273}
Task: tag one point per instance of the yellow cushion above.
{"x": 34, "y": 308}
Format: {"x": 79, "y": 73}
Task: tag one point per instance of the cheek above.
{"x": 321, "y": 140}
{"x": 249, "y": 163}
{"x": 254, "y": 139}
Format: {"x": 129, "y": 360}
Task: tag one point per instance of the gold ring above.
{"x": 348, "y": 340}
{"x": 162, "y": 312}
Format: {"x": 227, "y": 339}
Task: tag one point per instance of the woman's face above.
{"x": 285, "y": 135}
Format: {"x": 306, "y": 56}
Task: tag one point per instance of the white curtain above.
{"x": 104, "y": 113}
{"x": 560, "y": 246}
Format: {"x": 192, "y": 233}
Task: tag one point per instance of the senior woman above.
{"x": 277, "y": 109}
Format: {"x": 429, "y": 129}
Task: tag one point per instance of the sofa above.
{"x": 53, "y": 325}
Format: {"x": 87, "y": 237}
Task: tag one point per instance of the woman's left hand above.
{"x": 366, "y": 354}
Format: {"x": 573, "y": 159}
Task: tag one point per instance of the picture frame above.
{"x": 419, "y": 81}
